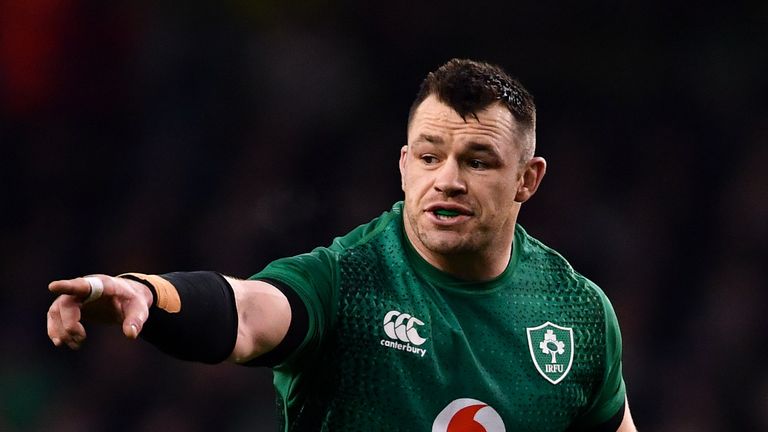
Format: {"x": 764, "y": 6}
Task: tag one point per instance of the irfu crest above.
{"x": 551, "y": 349}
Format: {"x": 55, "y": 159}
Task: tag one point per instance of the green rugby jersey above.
{"x": 394, "y": 344}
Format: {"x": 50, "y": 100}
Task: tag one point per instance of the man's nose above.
{"x": 449, "y": 179}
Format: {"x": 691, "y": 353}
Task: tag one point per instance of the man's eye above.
{"x": 477, "y": 164}
{"x": 429, "y": 159}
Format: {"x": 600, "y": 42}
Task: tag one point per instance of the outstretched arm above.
{"x": 263, "y": 313}
{"x": 264, "y": 316}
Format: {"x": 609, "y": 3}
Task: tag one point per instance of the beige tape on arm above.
{"x": 167, "y": 296}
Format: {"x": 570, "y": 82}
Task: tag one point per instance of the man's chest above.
{"x": 436, "y": 357}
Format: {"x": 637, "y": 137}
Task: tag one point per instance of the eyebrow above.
{"x": 432, "y": 139}
{"x": 482, "y": 148}
{"x": 474, "y": 146}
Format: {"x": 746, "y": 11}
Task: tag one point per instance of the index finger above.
{"x": 78, "y": 287}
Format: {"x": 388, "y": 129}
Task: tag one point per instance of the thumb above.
{"x": 135, "y": 316}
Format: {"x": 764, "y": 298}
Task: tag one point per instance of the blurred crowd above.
{"x": 154, "y": 137}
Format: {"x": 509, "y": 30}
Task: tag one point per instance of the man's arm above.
{"x": 627, "y": 424}
{"x": 264, "y": 316}
{"x": 620, "y": 422}
{"x": 263, "y": 312}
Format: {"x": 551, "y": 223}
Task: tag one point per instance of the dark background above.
{"x": 161, "y": 136}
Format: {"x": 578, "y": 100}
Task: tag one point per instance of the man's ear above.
{"x": 533, "y": 172}
{"x": 403, "y": 159}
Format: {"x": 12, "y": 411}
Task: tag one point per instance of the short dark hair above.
{"x": 469, "y": 86}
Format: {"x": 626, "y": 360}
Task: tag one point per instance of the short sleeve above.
{"x": 312, "y": 276}
{"x": 610, "y": 397}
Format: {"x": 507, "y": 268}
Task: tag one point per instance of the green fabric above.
{"x": 392, "y": 340}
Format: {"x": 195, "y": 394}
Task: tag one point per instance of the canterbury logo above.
{"x": 401, "y": 326}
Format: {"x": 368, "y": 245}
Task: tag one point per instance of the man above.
{"x": 441, "y": 314}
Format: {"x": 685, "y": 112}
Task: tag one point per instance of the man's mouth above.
{"x": 449, "y": 212}
{"x": 445, "y": 214}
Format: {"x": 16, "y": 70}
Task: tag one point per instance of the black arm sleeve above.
{"x": 297, "y": 330}
{"x": 204, "y": 329}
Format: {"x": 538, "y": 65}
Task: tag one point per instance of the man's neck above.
{"x": 470, "y": 267}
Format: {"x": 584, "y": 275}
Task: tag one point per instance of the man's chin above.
{"x": 440, "y": 241}
{"x": 451, "y": 244}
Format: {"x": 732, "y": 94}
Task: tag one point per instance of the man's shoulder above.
{"x": 325, "y": 259}
{"x": 543, "y": 259}
{"x": 537, "y": 252}
{"x": 387, "y": 222}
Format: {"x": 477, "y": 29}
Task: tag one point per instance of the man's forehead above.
{"x": 434, "y": 116}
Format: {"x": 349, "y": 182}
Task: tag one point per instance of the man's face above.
{"x": 462, "y": 181}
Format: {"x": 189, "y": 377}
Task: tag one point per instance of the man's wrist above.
{"x": 144, "y": 290}
{"x": 204, "y": 329}
{"x": 163, "y": 294}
